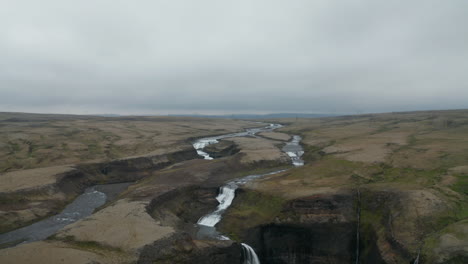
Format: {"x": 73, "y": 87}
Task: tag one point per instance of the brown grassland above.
{"x": 410, "y": 169}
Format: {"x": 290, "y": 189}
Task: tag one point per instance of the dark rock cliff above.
{"x": 315, "y": 229}
{"x": 50, "y": 199}
{"x": 222, "y": 149}
{"x": 181, "y": 248}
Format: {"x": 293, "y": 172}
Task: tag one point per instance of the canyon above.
{"x": 383, "y": 188}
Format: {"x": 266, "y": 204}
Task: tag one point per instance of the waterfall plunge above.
{"x": 225, "y": 197}
{"x": 250, "y": 257}
{"x": 227, "y": 192}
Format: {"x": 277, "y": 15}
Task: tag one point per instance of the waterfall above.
{"x": 225, "y": 197}
{"x": 227, "y": 192}
{"x": 200, "y": 144}
{"x": 250, "y": 257}
{"x": 416, "y": 261}
{"x": 294, "y": 150}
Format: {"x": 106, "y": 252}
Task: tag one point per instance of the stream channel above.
{"x": 96, "y": 196}
{"x": 227, "y": 192}
{"x": 81, "y": 207}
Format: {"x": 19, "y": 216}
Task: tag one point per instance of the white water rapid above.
{"x": 200, "y": 144}
{"x": 294, "y": 151}
{"x": 227, "y": 192}
{"x": 250, "y": 257}
{"x": 226, "y": 196}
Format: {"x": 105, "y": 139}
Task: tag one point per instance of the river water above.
{"x": 81, "y": 207}
{"x": 95, "y": 196}
{"x": 200, "y": 144}
{"x": 227, "y": 192}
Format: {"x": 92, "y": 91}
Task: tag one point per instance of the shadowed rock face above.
{"x": 315, "y": 229}
{"x": 180, "y": 248}
{"x": 320, "y": 243}
{"x": 24, "y": 206}
{"x": 222, "y": 149}
{"x": 183, "y": 207}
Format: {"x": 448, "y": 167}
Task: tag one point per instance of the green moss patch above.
{"x": 250, "y": 208}
{"x": 461, "y": 185}
{"x": 84, "y": 245}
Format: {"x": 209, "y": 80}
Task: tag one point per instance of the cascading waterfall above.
{"x": 225, "y": 197}
{"x": 416, "y": 261}
{"x": 250, "y": 257}
{"x": 294, "y": 151}
{"x": 227, "y": 192}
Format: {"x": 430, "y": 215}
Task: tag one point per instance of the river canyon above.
{"x": 331, "y": 190}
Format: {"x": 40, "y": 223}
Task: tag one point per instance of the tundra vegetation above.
{"x": 410, "y": 169}
{"x": 406, "y": 174}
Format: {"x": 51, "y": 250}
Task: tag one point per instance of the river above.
{"x": 227, "y": 192}
{"x": 81, "y": 207}
{"x": 96, "y": 196}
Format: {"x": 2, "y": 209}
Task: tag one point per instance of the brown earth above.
{"x": 152, "y": 143}
{"x": 56, "y": 252}
{"x": 275, "y": 136}
{"x": 405, "y": 171}
{"x": 40, "y": 140}
{"x": 32, "y": 178}
{"x": 409, "y": 167}
{"x": 258, "y": 149}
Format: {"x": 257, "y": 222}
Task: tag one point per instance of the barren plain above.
{"x": 380, "y": 188}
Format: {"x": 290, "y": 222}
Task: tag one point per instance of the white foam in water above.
{"x": 294, "y": 151}
{"x": 204, "y": 154}
{"x": 298, "y": 163}
{"x": 200, "y": 144}
{"x": 64, "y": 219}
{"x": 221, "y": 237}
{"x": 225, "y": 197}
{"x": 250, "y": 257}
{"x": 227, "y": 192}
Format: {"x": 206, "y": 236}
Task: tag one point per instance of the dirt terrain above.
{"x": 118, "y": 232}
{"x": 410, "y": 171}
{"x": 39, "y": 140}
{"x": 404, "y": 174}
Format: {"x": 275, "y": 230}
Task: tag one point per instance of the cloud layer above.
{"x": 211, "y": 56}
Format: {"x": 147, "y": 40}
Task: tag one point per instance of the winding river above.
{"x": 95, "y": 196}
{"x": 227, "y": 192}
{"x": 81, "y": 207}
{"x": 200, "y": 144}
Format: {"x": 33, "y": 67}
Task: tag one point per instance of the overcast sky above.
{"x": 256, "y": 56}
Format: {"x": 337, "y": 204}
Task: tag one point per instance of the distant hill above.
{"x": 264, "y": 116}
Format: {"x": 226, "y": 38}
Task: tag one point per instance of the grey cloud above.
{"x": 233, "y": 56}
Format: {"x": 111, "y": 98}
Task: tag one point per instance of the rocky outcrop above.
{"x": 320, "y": 228}
{"x": 315, "y": 229}
{"x": 135, "y": 168}
{"x": 183, "y": 207}
{"x": 181, "y": 248}
{"x": 22, "y": 206}
{"x": 222, "y": 149}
